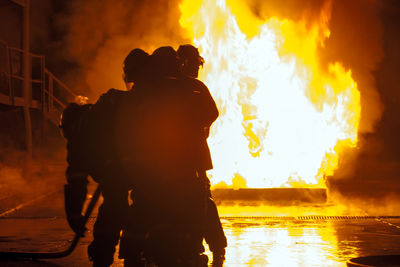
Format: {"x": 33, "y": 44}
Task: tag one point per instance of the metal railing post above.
{"x": 43, "y": 100}
{"x": 10, "y": 87}
{"x": 50, "y": 95}
{"x": 51, "y": 102}
{"x": 27, "y": 79}
{"x": 43, "y": 83}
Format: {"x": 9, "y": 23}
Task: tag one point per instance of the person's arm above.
{"x": 208, "y": 111}
{"x": 75, "y": 194}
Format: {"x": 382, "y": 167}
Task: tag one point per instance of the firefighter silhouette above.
{"x": 168, "y": 202}
{"x": 190, "y": 61}
{"x": 184, "y": 101}
{"x": 151, "y": 139}
{"x": 90, "y": 135}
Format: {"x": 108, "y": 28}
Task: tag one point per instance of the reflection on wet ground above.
{"x": 292, "y": 242}
{"x": 305, "y": 235}
{"x": 323, "y": 235}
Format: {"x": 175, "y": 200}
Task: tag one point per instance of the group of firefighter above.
{"x": 147, "y": 143}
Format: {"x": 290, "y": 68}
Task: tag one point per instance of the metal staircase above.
{"x": 48, "y": 93}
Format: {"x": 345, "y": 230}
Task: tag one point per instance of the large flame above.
{"x": 284, "y": 118}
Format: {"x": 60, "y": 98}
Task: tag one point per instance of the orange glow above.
{"x": 283, "y": 243}
{"x": 284, "y": 118}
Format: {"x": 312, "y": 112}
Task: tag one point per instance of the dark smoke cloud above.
{"x": 376, "y": 171}
{"x": 357, "y": 41}
{"x": 100, "y": 33}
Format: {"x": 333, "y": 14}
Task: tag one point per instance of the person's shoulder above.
{"x": 115, "y": 93}
{"x": 198, "y": 82}
{"x": 194, "y": 82}
{"x": 75, "y": 109}
{"x": 195, "y": 85}
{"x": 111, "y": 96}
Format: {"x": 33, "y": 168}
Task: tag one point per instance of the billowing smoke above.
{"x": 100, "y": 34}
{"x": 367, "y": 41}
{"x": 356, "y": 40}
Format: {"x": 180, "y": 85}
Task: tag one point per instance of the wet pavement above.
{"x": 319, "y": 235}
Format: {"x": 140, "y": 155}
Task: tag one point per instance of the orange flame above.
{"x": 284, "y": 118}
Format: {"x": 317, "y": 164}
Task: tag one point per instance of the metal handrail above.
{"x": 60, "y": 83}
{"x": 48, "y": 99}
{"x": 15, "y": 76}
{"x": 22, "y": 78}
{"x": 59, "y": 102}
{"x": 22, "y": 51}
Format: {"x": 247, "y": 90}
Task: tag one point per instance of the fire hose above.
{"x": 60, "y": 254}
